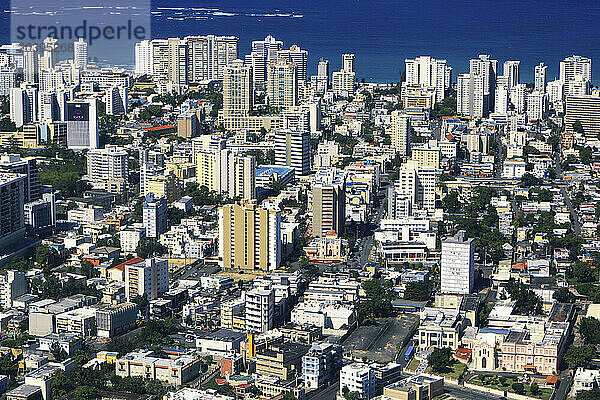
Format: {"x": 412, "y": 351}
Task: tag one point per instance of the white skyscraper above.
{"x": 574, "y": 66}
{"x": 263, "y": 52}
{"x": 8, "y": 79}
{"x": 12, "y": 285}
{"x": 143, "y": 58}
{"x": 511, "y": 71}
{"x": 23, "y": 104}
{"x": 154, "y": 215}
{"x": 348, "y": 62}
{"x": 457, "y": 264}
{"x": 536, "y": 105}
{"x": 260, "y": 309}
{"x": 472, "y": 99}
{"x": 426, "y": 71}
{"x": 80, "y": 53}
{"x": 292, "y": 149}
{"x": 149, "y": 277}
{"x": 109, "y": 163}
{"x": 82, "y": 123}
{"x": 555, "y": 90}
{"x": 517, "y": 97}
{"x": 298, "y": 56}
{"x": 501, "y": 100}
{"x": 117, "y": 100}
{"x": 540, "y": 77}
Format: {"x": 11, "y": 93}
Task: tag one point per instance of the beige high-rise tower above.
{"x": 237, "y": 90}
{"x": 249, "y": 236}
{"x": 282, "y": 83}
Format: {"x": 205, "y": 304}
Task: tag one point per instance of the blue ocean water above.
{"x": 383, "y": 33}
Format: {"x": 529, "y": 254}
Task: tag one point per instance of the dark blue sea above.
{"x": 383, "y": 33}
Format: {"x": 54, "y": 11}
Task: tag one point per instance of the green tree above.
{"x": 578, "y": 127}
{"x": 534, "y": 388}
{"x": 148, "y": 248}
{"x": 84, "y": 393}
{"x": 418, "y": 291}
{"x": 142, "y": 303}
{"x": 61, "y": 385}
{"x": 518, "y": 387}
{"x": 563, "y": 295}
{"x": 451, "y": 204}
{"x": 529, "y": 180}
{"x": 589, "y": 329}
{"x": 377, "y": 302}
{"x": 593, "y": 394}
{"x": 58, "y": 352}
{"x": 440, "y": 359}
{"x": 580, "y": 356}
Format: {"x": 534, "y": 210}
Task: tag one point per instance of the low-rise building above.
{"x": 142, "y": 363}
{"x": 439, "y": 327}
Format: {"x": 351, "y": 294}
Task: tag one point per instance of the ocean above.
{"x": 383, "y": 33}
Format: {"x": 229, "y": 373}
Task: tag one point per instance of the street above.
{"x": 367, "y": 241}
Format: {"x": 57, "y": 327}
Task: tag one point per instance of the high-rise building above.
{"x": 23, "y": 104}
{"x": 209, "y": 55}
{"x": 342, "y": 81}
{"x": 428, "y": 72}
{"x": 417, "y": 183}
{"x": 12, "y": 196}
{"x": 80, "y": 54}
{"x": 476, "y": 90}
{"x": 225, "y": 172}
{"x": 574, "y": 66}
{"x": 117, "y": 100}
{"x": 282, "y": 83}
{"x": 30, "y": 64}
{"x": 323, "y": 68}
{"x": 40, "y": 215}
{"x": 15, "y": 164}
{"x": 472, "y": 100}
{"x": 517, "y": 97}
{"x": 82, "y": 124}
{"x": 260, "y": 309}
{"x": 8, "y": 79}
{"x": 348, "y": 62}
{"x": 457, "y": 264}
{"x": 585, "y": 109}
{"x": 577, "y": 86}
{"x": 327, "y": 202}
{"x": 108, "y": 164}
{"x": 536, "y": 105}
{"x": 50, "y": 49}
{"x": 511, "y": 72}
{"x": 427, "y": 156}
{"x": 321, "y": 364}
{"x": 238, "y": 92}
{"x": 263, "y": 53}
{"x": 297, "y": 56}
{"x": 501, "y": 100}
{"x": 292, "y": 149}
{"x": 249, "y": 236}
{"x": 154, "y": 215}
{"x": 359, "y": 378}
{"x": 148, "y": 277}
{"x": 540, "y": 77}
{"x": 143, "y": 58}
{"x": 12, "y": 285}
{"x": 399, "y": 131}
{"x": 188, "y": 125}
